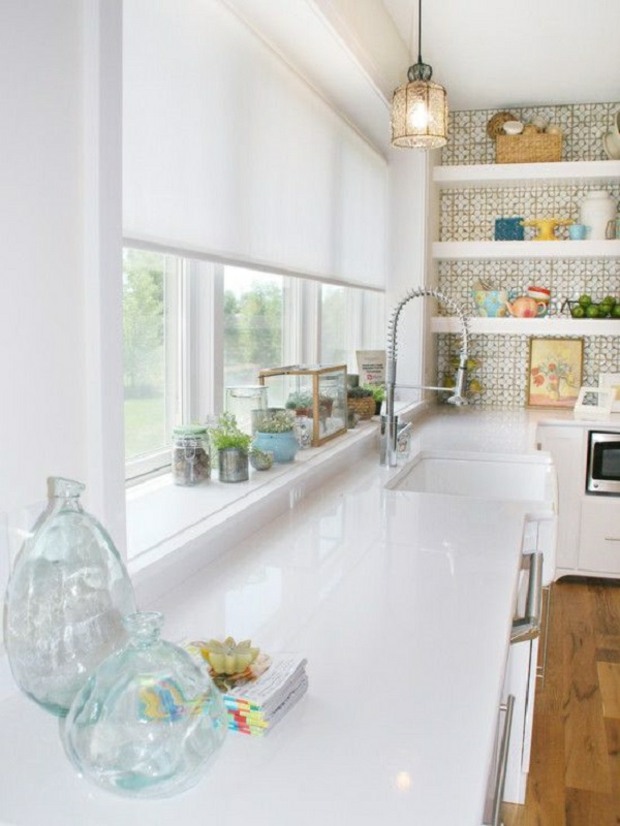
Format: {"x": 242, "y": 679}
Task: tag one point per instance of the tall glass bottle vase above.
{"x": 149, "y": 719}
{"x": 65, "y": 601}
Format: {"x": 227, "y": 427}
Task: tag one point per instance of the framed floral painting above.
{"x": 554, "y": 372}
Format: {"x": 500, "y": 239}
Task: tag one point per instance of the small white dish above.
{"x": 513, "y": 127}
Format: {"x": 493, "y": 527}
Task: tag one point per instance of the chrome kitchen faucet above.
{"x": 388, "y": 456}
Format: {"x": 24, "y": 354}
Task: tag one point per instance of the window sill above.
{"x": 172, "y": 531}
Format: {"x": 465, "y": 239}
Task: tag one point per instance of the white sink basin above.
{"x": 483, "y": 476}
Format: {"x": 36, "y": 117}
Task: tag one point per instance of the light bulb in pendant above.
{"x": 418, "y": 115}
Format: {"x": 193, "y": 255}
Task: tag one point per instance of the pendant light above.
{"x": 420, "y": 107}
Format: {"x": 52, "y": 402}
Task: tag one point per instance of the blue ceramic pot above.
{"x": 283, "y": 445}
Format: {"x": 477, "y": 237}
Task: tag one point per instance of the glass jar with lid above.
{"x": 191, "y": 464}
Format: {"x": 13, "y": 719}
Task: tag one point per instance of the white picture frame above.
{"x": 612, "y": 381}
{"x": 594, "y": 403}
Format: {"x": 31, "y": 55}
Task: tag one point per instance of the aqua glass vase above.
{"x": 149, "y": 719}
{"x": 284, "y": 446}
{"x": 66, "y": 598}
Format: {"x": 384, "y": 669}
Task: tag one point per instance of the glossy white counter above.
{"x": 402, "y": 603}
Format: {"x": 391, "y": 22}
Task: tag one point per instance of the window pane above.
{"x": 333, "y": 325}
{"x": 253, "y": 323}
{"x": 145, "y": 321}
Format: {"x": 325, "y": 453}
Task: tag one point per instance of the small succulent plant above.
{"x": 229, "y": 657}
{"x": 278, "y": 421}
{"x": 359, "y": 392}
{"x": 299, "y": 400}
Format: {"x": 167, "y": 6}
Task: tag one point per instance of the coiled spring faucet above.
{"x": 457, "y": 397}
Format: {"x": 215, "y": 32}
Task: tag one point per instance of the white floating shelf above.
{"x": 562, "y": 173}
{"x": 455, "y": 250}
{"x": 529, "y": 326}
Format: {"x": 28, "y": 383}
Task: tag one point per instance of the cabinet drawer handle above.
{"x": 612, "y": 539}
{"x": 528, "y": 627}
{"x": 502, "y": 763}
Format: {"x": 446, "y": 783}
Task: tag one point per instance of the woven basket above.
{"x": 364, "y": 407}
{"x": 536, "y": 147}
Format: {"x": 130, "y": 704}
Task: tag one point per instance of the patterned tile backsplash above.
{"x": 469, "y": 215}
{"x": 583, "y": 126}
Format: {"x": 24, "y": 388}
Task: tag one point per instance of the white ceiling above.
{"x": 502, "y": 53}
{"x": 489, "y": 54}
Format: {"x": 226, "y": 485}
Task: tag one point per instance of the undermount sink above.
{"x": 482, "y": 476}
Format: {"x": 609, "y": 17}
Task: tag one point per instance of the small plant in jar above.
{"x": 233, "y": 447}
{"x": 226, "y": 434}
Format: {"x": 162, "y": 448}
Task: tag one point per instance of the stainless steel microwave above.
{"x": 603, "y": 470}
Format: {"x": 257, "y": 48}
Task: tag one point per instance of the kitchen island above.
{"x": 401, "y": 601}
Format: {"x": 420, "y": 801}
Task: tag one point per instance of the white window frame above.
{"x": 195, "y": 289}
{"x": 141, "y": 467}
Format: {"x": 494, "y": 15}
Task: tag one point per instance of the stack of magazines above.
{"x": 255, "y": 706}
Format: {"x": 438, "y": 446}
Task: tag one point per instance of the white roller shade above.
{"x": 229, "y": 153}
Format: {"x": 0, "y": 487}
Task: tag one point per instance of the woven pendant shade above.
{"x": 420, "y": 115}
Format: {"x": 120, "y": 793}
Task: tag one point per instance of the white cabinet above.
{"x": 567, "y": 447}
{"x": 599, "y": 535}
{"x": 576, "y": 173}
{"x": 588, "y": 526}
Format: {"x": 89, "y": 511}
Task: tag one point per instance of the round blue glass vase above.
{"x": 65, "y": 601}
{"x": 148, "y": 720}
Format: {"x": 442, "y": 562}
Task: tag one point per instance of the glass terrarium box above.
{"x": 317, "y": 393}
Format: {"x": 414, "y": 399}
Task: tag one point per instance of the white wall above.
{"x": 56, "y": 158}
{"x": 408, "y": 234}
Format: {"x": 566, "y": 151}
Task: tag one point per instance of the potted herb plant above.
{"x": 275, "y": 433}
{"x": 378, "y": 394}
{"x": 233, "y": 447}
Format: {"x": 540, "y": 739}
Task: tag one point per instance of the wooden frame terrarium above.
{"x": 317, "y": 392}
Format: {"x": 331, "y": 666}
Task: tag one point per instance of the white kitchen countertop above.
{"x": 402, "y": 603}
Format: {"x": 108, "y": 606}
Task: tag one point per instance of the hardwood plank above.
{"x": 545, "y": 800}
{"x": 586, "y": 808}
{"x": 612, "y": 728}
{"x": 609, "y": 682}
{"x": 550, "y": 692}
{"x": 606, "y": 605}
{"x": 608, "y": 649}
{"x": 582, "y": 683}
{"x": 586, "y": 764}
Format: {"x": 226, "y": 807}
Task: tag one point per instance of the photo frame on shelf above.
{"x": 594, "y": 403}
{"x": 611, "y": 380}
{"x": 554, "y": 372}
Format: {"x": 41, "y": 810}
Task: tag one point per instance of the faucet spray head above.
{"x": 458, "y": 397}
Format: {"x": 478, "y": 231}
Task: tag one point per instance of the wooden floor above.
{"x": 575, "y": 769}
